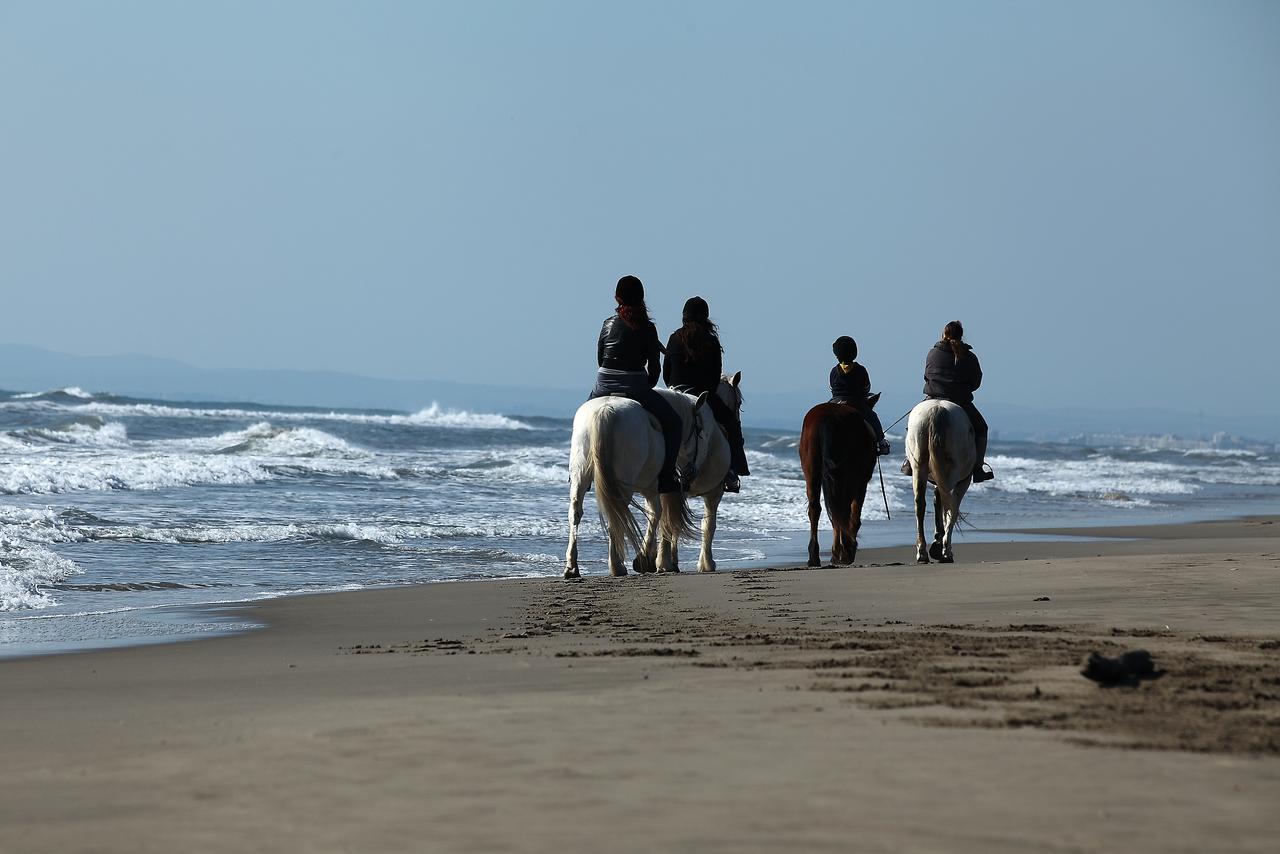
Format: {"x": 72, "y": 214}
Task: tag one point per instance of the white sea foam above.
{"x": 69, "y": 391}
{"x": 267, "y": 440}
{"x": 95, "y": 435}
{"x": 432, "y": 416}
{"x": 26, "y": 567}
{"x": 253, "y": 533}
{"x": 49, "y": 475}
{"x": 1098, "y": 476}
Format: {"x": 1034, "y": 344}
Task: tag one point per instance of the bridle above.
{"x": 695, "y": 428}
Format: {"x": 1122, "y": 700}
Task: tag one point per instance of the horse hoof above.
{"x": 618, "y": 572}
{"x": 670, "y": 571}
{"x": 935, "y": 551}
{"x": 922, "y": 558}
{"x": 571, "y": 574}
{"x": 947, "y": 559}
{"x": 642, "y": 565}
{"x": 710, "y": 568}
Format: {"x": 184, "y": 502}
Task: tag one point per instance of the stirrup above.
{"x": 732, "y": 483}
{"x": 882, "y": 448}
{"x": 983, "y": 473}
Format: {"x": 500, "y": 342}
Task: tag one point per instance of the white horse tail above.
{"x": 677, "y": 519}
{"x": 612, "y": 499}
{"x": 940, "y": 462}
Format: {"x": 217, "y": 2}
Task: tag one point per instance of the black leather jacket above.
{"x": 622, "y": 347}
{"x": 950, "y": 378}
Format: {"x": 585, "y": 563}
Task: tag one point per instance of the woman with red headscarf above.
{"x": 629, "y": 356}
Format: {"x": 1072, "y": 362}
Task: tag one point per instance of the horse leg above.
{"x": 939, "y": 521}
{"x": 920, "y": 487}
{"x": 707, "y": 563}
{"x": 646, "y": 559}
{"x": 578, "y": 487}
{"x": 668, "y": 555}
{"x": 855, "y": 524}
{"x": 839, "y": 546}
{"x": 617, "y": 552}
{"x": 953, "y": 519}
{"x": 815, "y": 515}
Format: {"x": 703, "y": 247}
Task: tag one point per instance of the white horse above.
{"x": 617, "y": 446}
{"x": 941, "y": 450}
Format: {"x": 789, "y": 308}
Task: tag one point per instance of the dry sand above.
{"x": 878, "y": 708}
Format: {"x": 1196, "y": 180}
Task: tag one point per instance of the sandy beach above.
{"x": 885, "y": 707}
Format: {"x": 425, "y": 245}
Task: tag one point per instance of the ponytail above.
{"x": 953, "y": 334}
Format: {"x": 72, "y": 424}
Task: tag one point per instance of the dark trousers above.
{"x": 637, "y": 388}
{"x": 728, "y": 419}
{"x": 865, "y": 410}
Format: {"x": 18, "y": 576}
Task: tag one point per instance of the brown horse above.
{"x": 838, "y": 455}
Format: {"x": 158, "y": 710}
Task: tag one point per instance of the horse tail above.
{"x": 940, "y": 462}
{"x": 612, "y": 499}
{"x": 677, "y": 519}
{"x": 833, "y": 454}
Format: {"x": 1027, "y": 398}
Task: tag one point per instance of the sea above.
{"x": 127, "y": 521}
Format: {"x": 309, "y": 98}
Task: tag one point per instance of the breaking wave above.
{"x": 431, "y": 416}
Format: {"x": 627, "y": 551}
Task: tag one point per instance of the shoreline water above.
{"x": 123, "y": 519}
{"x": 884, "y": 707}
{"x": 189, "y": 623}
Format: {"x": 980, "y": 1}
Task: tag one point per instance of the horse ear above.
{"x": 735, "y": 379}
{"x": 702, "y": 398}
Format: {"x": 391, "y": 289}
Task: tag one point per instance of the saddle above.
{"x": 653, "y": 419}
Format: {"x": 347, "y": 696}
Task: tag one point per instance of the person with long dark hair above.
{"x": 952, "y": 372}
{"x": 694, "y": 364}
{"x": 629, "y": 358}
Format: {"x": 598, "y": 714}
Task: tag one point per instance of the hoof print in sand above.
{"x": 1125, "y": 670}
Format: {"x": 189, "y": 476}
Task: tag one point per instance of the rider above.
{"x": 851, "y": 384}
{"x": 952, "y": 372}
{"x": 693, "y": 364}
{"x": 628, "y": 356}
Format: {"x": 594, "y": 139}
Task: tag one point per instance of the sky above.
{"x": 425, "y": 190}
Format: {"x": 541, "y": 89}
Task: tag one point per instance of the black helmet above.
{"x": 845, "y": 348}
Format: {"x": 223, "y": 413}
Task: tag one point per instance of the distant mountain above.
{"x": 25, "y": 368}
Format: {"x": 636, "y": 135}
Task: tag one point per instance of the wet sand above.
{"x": 876, "y": 708}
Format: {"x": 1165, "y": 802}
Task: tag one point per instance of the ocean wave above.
{"x": 431, "y": 416}
{"x": 253, "y": 533}
{"x": 267, "y": 440}
{"x": 1098, "y": 476}
{"x": 70, "y": 391}
{"x": 25, "y": 568}
{"x": 88, "y": 431}
{"x": 49, "y": 476}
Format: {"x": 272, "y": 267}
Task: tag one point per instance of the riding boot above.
{"x": 728, "y": 421}
{"x": 980, "y": 472}
{"x": 669, "y": 479}
{"x": 738, "y": 455}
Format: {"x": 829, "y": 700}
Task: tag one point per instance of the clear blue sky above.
{"x": 449, "y": 190}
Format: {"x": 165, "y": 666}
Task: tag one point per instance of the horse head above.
{"x": 730, "y": 391}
